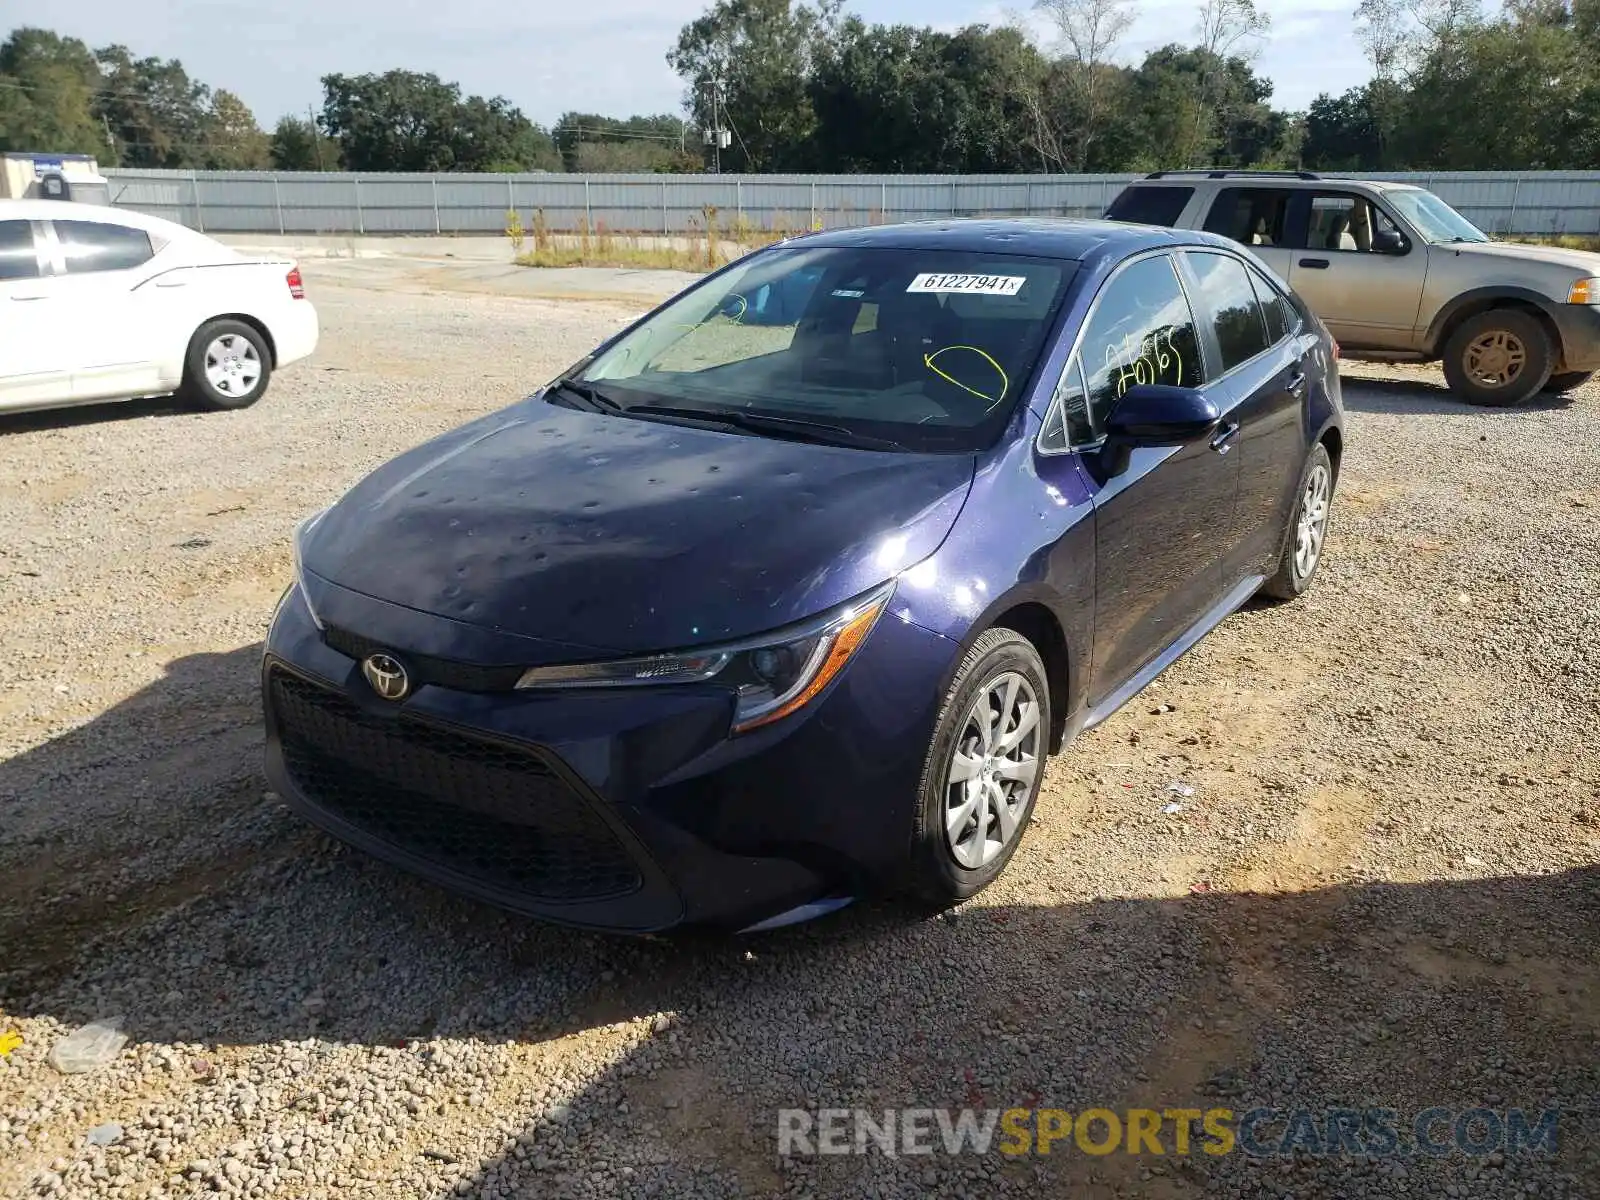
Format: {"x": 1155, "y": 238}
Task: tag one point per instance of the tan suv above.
{"x": 1398, "y": 275}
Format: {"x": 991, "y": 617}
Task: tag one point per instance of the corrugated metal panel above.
{"x": 336, "y": 202}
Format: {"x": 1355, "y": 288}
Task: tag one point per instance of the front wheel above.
{"x": 983, "y": 769}
{"x": 1308, "y": 528}
{"x": 227, "y": 366}
{"x": 1500, "y": 357}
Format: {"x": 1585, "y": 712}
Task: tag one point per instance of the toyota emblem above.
{"x": 387, "y": 677}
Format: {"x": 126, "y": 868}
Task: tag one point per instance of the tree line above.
{"x": 807, "y": 87}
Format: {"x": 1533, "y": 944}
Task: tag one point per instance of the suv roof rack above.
{"x": 1211, "y": 174}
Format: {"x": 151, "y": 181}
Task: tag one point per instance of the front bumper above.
{"x": 1579, "y": 325}
{"x": 629, "y": 810}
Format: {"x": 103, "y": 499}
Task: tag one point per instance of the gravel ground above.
{"x": 1383, "y": 890}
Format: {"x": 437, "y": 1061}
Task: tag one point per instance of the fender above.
{"x": 1478, "y": 299}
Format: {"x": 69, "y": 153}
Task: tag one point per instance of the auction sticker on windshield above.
{"x": 983, "y": 285}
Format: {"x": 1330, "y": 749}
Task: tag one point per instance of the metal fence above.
{"x": 1549, "y": 202}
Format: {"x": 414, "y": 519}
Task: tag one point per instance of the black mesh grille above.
{"x": 496, "y": 813}
{"x": 441, "y": 672}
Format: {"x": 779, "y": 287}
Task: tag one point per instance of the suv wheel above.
{"x": 1498, "y": 357}
{"x": 1568, "y": 381}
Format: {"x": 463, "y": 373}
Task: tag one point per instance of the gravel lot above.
{"x": 1383, "y": 890}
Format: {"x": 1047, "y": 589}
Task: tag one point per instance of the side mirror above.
{"x": 1389, "y": 241}
{"x": 1153, "y": 414}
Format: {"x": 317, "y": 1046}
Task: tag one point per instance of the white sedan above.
{"x": 106, "y": 304}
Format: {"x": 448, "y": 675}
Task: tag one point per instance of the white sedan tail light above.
{"x": 297, "y": 287}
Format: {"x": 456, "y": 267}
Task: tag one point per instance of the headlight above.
{"x": 300, "y": 533}
{"x": 1585, "y": 291}
{"x": 773, "y": 674}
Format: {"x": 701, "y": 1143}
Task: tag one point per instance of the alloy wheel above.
{"x": 1496, "y": 358}
{"x": 233, "y": 367}
{"x": 1313, "y": 523}
{"x": 993, "y": 765}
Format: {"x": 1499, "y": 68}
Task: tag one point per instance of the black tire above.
{"x": 1291, "y": 579}
{"x": 1521, "y": 329}
{"x": 1568, "y": 380}
{"x": 937, "y": 877}
{"x": 200, "y": 391}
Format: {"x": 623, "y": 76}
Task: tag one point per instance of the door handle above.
{"x": 1297, "y": 382}
{"x": 35, "y": 296}
{"x": 170, "y": 283}
{"x": 1222, "y": 443}
{"x": 1314, "y": 264}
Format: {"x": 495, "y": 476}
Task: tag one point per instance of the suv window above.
{"x": 1228, "y": 301}
{"x": 1282, "y": 320}
{"x": 18, "y": 258}
{"x": 1141, "y": 332}
{"x": 1342, "y": 222}
{"x": 96, "y": 246}
{"x": 1149, "y": 205}
{"x": 1250, "y": 216}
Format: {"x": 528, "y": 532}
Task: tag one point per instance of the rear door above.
{"x": 1162, "y": 515}
{"x": 1257, "y": 217}
{"x": 1257, "y": 351}
{"x": 98, "y": 267}
{"x": 1357, "y": 270}
{"x": 33, "y": 322}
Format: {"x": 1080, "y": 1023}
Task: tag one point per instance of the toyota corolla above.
{"x": 783, "y": 595}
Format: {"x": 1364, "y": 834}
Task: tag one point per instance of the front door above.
{"x": 1357, "y": 271}
{"x": 1162, "y": 515}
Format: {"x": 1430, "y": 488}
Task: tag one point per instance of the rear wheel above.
{"x": 228, "y": 366}
{"x": 1499, "y": 357}
{"x": 983, "y": 769}
{"x": 1568, "y": 380}
{"x": 1308, "y": 528}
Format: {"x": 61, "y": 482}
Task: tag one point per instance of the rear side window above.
{"x": 1141, "y": 331}
{"x": 18, "y": 259}
{"x": 94, "y": 246}
{"x": 1227, "y": 300}
{"x": 1150, "y": 205}
{"x": 1281, "y": 318}
{"x": 1250, "y": 216}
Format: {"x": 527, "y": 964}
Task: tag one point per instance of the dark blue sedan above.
{"x": 739, "y": 619}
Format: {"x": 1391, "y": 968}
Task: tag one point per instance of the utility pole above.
{"x": 717, "y": 137}
{"x": 316, "y": 135}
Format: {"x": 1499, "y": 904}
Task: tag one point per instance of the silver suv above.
{"x": 1398, "y": 275}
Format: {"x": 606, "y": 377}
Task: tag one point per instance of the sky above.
{"x": 553, "y": 56}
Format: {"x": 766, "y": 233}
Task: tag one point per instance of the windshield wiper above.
{"x": 795, "y": 429}
{"x": 591, "y": 395}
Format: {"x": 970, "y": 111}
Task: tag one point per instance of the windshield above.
{"x": 927, "y": 350}
{"x": 1435, "y": 220}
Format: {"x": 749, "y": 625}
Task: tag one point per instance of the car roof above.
{"x": 1263, "y": 179}
{"x": 1068, "y": 238}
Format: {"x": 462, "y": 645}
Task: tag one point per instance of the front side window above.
{"x": 1250, "y": 216}
{"x": 1341, "y": 222}
{"x": 1141, "y": 331}
{"x": 1227, "y": 300}
{"x": 96, "y": 246}
{"x": 929, "y": 349}
{"x": 18, "y": 258}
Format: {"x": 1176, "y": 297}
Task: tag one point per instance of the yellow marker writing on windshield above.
{"x": 1005, "y": 382}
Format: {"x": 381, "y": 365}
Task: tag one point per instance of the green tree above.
{"x": 298, "y": 145}
{"x": 48, "y": 85}
{"x": 233, "y": 141}
{"x": 158, "y": 116}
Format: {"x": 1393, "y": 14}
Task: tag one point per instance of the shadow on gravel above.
{"x": 1417, "y": 396}
{"x": 145, "y": 872}
{"x": 92, "y": 414}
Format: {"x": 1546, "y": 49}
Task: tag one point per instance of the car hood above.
{"x": 587, "y": 530}
{"x": 1581, "y": 261}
